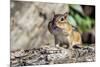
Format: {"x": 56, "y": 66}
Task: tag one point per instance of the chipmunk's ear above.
{"x": 53, "y": 13}
{"x": 66, "y": 14}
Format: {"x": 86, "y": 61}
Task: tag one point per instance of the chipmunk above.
{"x": 64, "y": 33}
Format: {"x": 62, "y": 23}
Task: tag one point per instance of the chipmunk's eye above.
{"x": 62, "y": 19}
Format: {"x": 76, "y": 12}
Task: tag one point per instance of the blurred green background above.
{"x": 83, "y": 16}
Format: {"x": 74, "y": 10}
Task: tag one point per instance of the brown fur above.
{"x": 63, "y": 31}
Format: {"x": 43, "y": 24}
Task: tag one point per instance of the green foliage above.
{"x": 77, "y": 18}
{"x": 83, "y": 23}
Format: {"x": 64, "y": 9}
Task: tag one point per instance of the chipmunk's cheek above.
{"x": 57, "y": 24}
{"x": 60, "y": 25}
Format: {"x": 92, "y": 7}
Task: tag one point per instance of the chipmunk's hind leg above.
{"x": 76, "y": 40}
{"x": 76, "y": 47}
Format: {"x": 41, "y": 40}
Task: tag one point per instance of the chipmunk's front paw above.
{"x": 57, "y": 45}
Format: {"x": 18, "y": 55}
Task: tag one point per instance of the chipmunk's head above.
{"x": 60, "y": 19}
